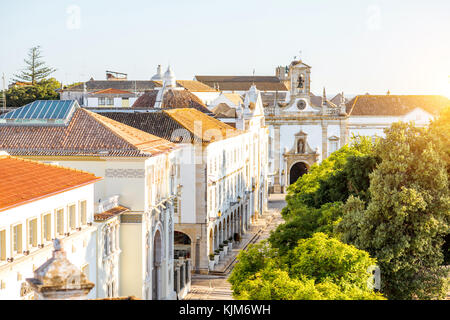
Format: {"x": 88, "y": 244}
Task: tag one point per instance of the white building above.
{"x": 135, "y": 165}
{"x": 305, "y": 128}
{"x": 40, "y": 202}
{"x": 219, "y": 193}
{"x": 120, "y": 92}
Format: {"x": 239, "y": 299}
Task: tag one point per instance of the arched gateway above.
{"x": 297, "y": 170}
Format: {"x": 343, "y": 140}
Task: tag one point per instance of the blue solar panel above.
{"x": 41, "y": 111}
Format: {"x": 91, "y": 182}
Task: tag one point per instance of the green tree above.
{"x": 343, "y": 173}
{"x": 35, "y": 69}
{"x": 408, "y": 215}
{"x": 303, "y": 222}
{"x": 318, "y": 268}
{"x": 43, "y": 90}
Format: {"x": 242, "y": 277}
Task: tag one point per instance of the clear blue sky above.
{"x": 353, "y": 46}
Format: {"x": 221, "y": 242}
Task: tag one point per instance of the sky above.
{"x": 353, "y": 47}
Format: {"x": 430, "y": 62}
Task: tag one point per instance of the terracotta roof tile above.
{"x": 197, "y": 122}
{"x": 176, "y": 125}
{"x": 172, "y": 99}
{"x": 110, "y": 213}
{"x": 155, "y": 122}
{"x": 395, "y": 105}
{"x": 111, "y": 91}
{"x": 23, "y": 181}
{"x": 87, "y": 134}
{"x": 243, "y": 83}
{"x": 128, "y": 85}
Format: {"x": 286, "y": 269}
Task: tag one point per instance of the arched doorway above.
{"x": 157, "y": 259}
{"x": 297, "y": 170}
{"x": 182, "y": 245}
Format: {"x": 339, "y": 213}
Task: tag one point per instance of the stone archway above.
{"x": 157, "y": 260}
{"x": 182, "y": 245}
{"x": 297, "y": 170}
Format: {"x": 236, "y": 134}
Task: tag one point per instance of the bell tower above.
{"x": 300, "y": 77}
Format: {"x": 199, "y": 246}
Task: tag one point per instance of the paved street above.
{"x": 216, "y": 287}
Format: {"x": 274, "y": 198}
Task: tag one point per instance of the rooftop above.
{"x": 86, "y": 134}
{"x": 395, "y": 105}
{"x": 44, "y": 112}
{"x": 110, "y": 213}
{"x": 172, "y": 99}
{"x": 243, "y": 83}
{"x": 177, "y": 125}
{"x": 23, "y": 181}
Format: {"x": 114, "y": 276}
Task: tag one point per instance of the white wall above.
{"x": 80, "y": 245}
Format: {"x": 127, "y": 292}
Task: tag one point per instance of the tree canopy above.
{"x": 318, "y": 268}
{"x": 18, "y": 96}
{"x": 408, "y": 215}
{"x": 35, "y": 68}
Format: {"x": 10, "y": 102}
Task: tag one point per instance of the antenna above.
{"x": 3, "y": 95}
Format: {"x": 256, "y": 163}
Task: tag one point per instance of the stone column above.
{"x": 343, "y": 132}
{"x": 324, "y": 140}
{"x": 277, "y": 154}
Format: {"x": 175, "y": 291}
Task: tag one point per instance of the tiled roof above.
{"x": 222, "y": 110}
{"x": 270, "y": 99}
{"x": 176, "y": 125}
{"x": 87, "y": 134}
{"x": 127, "y": 85}
{"x": 110, "y": 213}
{"x": 191, "y": 85}
{"x": 157, "y": 123}
{"x": 243, "y": 83}
{"x": 172, "y": 99}
{"x": 395, "y": 105}
{"x": 23, "y": 181}
{"x": 194, "y": 121}
{"x": 234, "y": 97}
{"x": 111, "y": 91}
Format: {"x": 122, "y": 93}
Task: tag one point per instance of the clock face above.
{"x": 301, "y": 104}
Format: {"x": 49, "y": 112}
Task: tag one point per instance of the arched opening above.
{"x": 182, "y": 245}
{"x": 157, "y": 259}
{"x": 216, "y": 237}
{"x": 297, "y": 170}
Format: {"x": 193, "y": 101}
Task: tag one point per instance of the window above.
{"x": 109, "y": 101}
{"x": 72, "y": 217}
{"x": 2, "y": 245}
{"x": 333, "y": 145}
{"x": 83, "y": 213}
{"x": 47, "y": 227}
{"x": 60, "y": 222}
{"x": 101, "y": 101}
{"x": 32, "y": 233}
{"x": 17, "y": 238}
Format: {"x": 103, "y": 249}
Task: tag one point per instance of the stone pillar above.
{"x": 343, "y": 132}
{"x": 324, "y": 140}
{"x": 277, "y": 155}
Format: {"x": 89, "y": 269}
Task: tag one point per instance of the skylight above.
{"x": 41, "y": 112}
